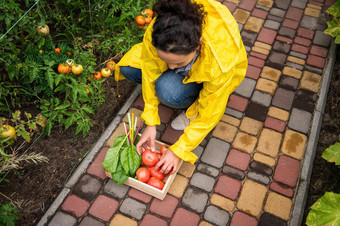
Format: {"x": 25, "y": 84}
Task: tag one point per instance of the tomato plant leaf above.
{"x": 49, "y": 78}
{"x": 332, "y": 154}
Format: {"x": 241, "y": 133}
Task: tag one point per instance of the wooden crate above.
{"x": 144, "y": 187}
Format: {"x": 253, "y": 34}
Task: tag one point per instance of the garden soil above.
{"x": 34, "y": 188}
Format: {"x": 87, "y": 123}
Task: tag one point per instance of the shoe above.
{"x": 180, "y": 122}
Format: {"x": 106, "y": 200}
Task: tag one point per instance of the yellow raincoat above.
{"x": 220, "y": 66}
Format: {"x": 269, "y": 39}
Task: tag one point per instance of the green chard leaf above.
{"x": 134, "y": 160}
{"x": 119, "y": 176}
{"x": 111, "y": 160}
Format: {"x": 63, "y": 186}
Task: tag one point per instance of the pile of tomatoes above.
{"x": 144, "y": 19}
{"x": 147, "y": 173}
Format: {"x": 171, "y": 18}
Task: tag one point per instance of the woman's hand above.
{"x": 147, "y": 140}
{"x": 168, "y": 162}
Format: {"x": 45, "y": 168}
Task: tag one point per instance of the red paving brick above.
{"x": 290, "y": 24}
{"x": 104, "y": 207}
{"x": 275, "y": 124}
{"x": 284, "y": 39}
{"x": 253, "y": 72}
{"x": 96, "y": 168}
{"x": 184, "y": 217}
{"x": 255, "y": 61}
{"x": 259, "y": 13}
{"x": 258, "y": 55}
{"x": 228, "y": 187}
{"x": 238, "y": 103}
{"x": 299, "y": 48}
{"x": 294, "y": 13}
{"x": 139, "y": 102}
{"x": 319, "y": 51}
{"x": 306, "y": 33}
{"x": 238, "y": 159}
{"x": 316, "y": 61}
{"x": 165, "y": 207}
{"x": 287, "y": 171}
{"x": 247, "y": 4}
{"x": 170, "y": 136}
{"x": 149, "y": 220}
{"x": 141, "y": 196}
{"x": 282, "y": 189}
{"x": 302, "y": 41}
{"x": 267, "y": 36}
{"x": 75, "y": 205}
{"x": 242, "y": 219}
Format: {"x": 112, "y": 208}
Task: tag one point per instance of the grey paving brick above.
{"x": 276, "y": 18}
{"x": 240, "y": 26}
{"x": 209, "y": 170}
{"x": 288, "y": 82}
{"x": 216, "y": 152}
{"x": 287, "y": 32}
{"x": 202, "y": 181}
{"x": 259, "y": 178}
{"x": 282, "y": 4}
{"x": 232, "y": 172}
{"x": 195, "y": 199}
{"x": 262, "y": 7}
{"x": 257, "y": 111}
{"x": 294, "y": 65}
{"x": 262, "y": 98}
{"x": 261, "y": 168}
{"x": 89, "y": 221}
{"x": 246, "y": 87}
{"x": 116, "y": 190}
{"x": 306, "y": 95}
{"x": 281, "y": 47}
{"x": 299, "y": 55}
{"x": 61, "y": 218}
{"x": 321, "y": 39}
{"x": 271, "y": 24}
{"x": 276, "y": 60}
{"x": 304, "y": 105}
{"x": 269, "y": 219}
{"x": 198, "y": 152}
{"x": 216, "y": 216}
{"x": 309, "y": 22}
{"x": 277, "y": 12}
{"x": 300, "y": 120}
{"x": 283, "y": 99}
{"x": 248, "y": 37}
{"x": 88, "y": 187}
{"x": 299, "y": 3}
{"x": 233, "y": 112}
{"x": 133, "y": 208}
{"x": 313, "y": 69}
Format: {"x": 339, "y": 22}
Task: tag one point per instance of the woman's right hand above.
{"x": 147, "y": 139}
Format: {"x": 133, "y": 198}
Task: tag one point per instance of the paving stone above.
{"x": 96, "y": 168}
{"x": 251, "y": 126}
{"x": 294, "y": 144}
{"x": 178, "y": 186}
{"x": 309, "y": 11}
{"x": 294, "y": 13}
{"x": 319, "y": 51}
{"x": 89, "y": 221}
{"x": 165, "y": 113}
{"x": 293, "y": 65}
{"x": 275, "y": 124}
{"x": 75, "y": 205}
{"x": 329, "y": 2}
{"x": 314, "y": 69}
{"x": 283, "y": 99}
{"x": 240, "y": 27}
{"x": 269, "y": 142}
{"x": 230, "y": 120}
{"x": 225, "y": 131}
{"x": 299, "y": 3}
{"x": 202, "y": 181}
{"x": 139, "y": 102}
{"x": 149, "y": 219}
{"x": 134, "y": 111}
{"x": 276, "y": 18}
{"x": 289, "y": 83}
{"x": 307, "y": 95}
{"x": 267, "y": 36}
{"x": 256, "y": 111}
{"x": 255, "y": 61}
{"x": 241, "y": 15}
{"x": 282, "y": 4}
{"x": 254, "y": 24}
{"x": 258, "y": 55}
{"x": 306, "y": 33}
{"x": 247, "y": 48}
{"x": 61, "y": 218}
{"x": 165, "y": 207}
{"x": 246, "y": 87}
{"x": 187, "y": 169}
{"x": 302, "y": 41}
{"x": 266, "y": 3}
{"x": 300, "y": 120}
{"x": 264, "y": 159}
{"x": 198, "y": 151}
{"x": 133, "y": 208}
{"x": 309, "y": 22}
{"x": 184, "y": 217}
{"x": 170, "y": 136}
{"x": 231, "y": 6}
{"x": 278, "y": 205}
{"x": 276, "y": 60}
{"x": 237, "y": 102}
{"x": 262, "y": 8}
{"x": 278, "y": 113}
{"x": 141, "y": 196}
{"x": 88, "y": 187}
{"x": 269, "y": 219}
{"x": 304, "y": 105}
{"x": 263, "y": 51}
{"x": 245, "y": 142}
{"x": 277, "y": 12}
{"x": 222, "y": 202}
{"x": 253, "y": 72}
{"x": 262, "y": 45}
{"x": 120, "y": 219}
{"x": 258, "y": 177}
{"x": 252, "y": 198}
{"x": 299, "y": 55}
{"x": 195, "y": 199}
{"x": 209, "y": 170}
{"x": 316, "y": 61}
{"x": 293, "y": 72}
{"x": 296, "y": 60}
{"x": 272, "y": 24}
{"x": 103, "y": 207}
{"x": 261, "y": 168}
{"x": 259, "y": 13}
{"x": 216, "y": 216}
{"x": 281, "y": 47}
{"x": 215, "y": 153}
{"x": 262, "y": 98}
{"x": 115, "y": 190}
{"x": 287, "y": 171}
{"x": 281, "y": 189}
{"x": 233, "y": 112}
{"x": 238, "y": 159}
{"x": 228, "y": 187}
{"x": 271, "y": 73}
{"x": 234, "y": 173}
{"x": 287, "y": 32}
{"x": 240, "y": 218}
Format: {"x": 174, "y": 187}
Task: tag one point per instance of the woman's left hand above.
{"x": 168, "y": 162}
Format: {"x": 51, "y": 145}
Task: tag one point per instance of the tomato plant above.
{"x": 111, "y": 65}
{"x": 77, "y": 69}
{"x": 149, "y": 158}
{"x": 57, "y": 50}
{"x": 105, "y": 72}
{"x": 64, "y": 68}
{"x": 156, "y": 173}
{"x": 157, "y": 183}
{"x": 97, "y": 75}
{"x": 43, "y": 30}
{"x": 163, "y": 149}
{"x": 140, "y": 20}
{"x": 143, "y": 174}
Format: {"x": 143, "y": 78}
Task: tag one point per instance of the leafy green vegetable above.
{"x": 332, "y": 154}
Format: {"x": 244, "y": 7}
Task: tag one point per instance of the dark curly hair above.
{"x": 178, "y": 26}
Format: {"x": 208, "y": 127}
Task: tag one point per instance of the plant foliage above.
{"x": 334, "y": 25}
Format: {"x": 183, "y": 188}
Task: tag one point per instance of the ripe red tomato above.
{"x": 57, "y": 50}
{"x": 148, "y": 12}
{"x": 143, "y": 174}
{"x": 140, "y": 20}
{"x": 149, "y": 158}
{"x": 154, "y": 182}
{"x": 97, "y": 75}
{"x": 64, "y": 68}
{"x": 156, "y": 174}
{"x": 111, "y": 65}
{"x": 163, "y": 149}
{"x": 69, "y": 53}
{"x": 148, "y": 20}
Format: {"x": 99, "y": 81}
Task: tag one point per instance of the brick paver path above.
{"x": 249, "y": 166}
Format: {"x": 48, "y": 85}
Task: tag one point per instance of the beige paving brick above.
{"x": 222, "y": 202}
{"x": 234, "y": 1}
{"x": 263, "y": 45}
{"x": 310, "y": 81}
{"x": 266, "y": 3}
{"x": 271, "y": 73}
{"x": 118, "y": 132}
{"x": 178, "y": 186}
{"x": 278, "y": 205}
{"x": 252, "y": 198}
{"x": 251, "y": 126}
{"x": 278, "y": 113}
{"x": 187, "y": 169}
{"x": 293, "y": 72}
{"x": 309, "y": 5}
{"x": 260, "y": 50}
{"x": 230, "y": 120}
{"x": 136, "y": 112}
{"x": 225, "y": 131}
{"x": 266, "y": 86}
{"x": 296, "y": 60}
{"x": 312, "y": 12}
{"x": 254, "y": 24}
{"x": 245, "y": 142}
{"x": 294, "y": 144}
{"x": 120, "y": 219}
{"x": 269, "y": 142}
{"x": 265, "y": 159}
{"x": 241, "y": 15}
{"x": 204, "y": 223}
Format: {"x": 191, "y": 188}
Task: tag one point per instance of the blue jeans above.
{"x": 169, "y": 86}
